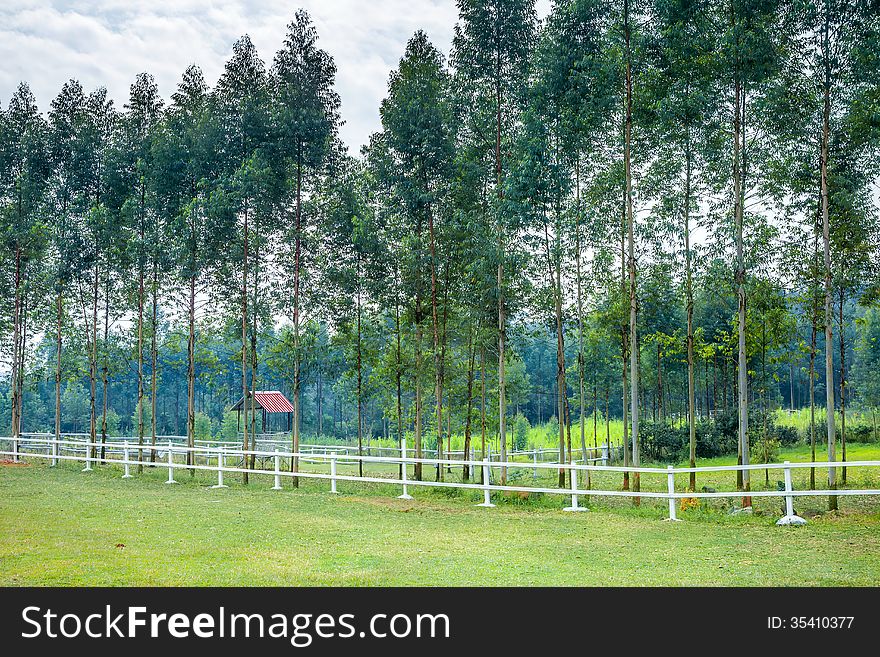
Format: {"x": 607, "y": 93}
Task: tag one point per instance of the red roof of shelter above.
{"x": 271, "y": 400}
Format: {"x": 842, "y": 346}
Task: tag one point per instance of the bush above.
{"x": 718, "y": 437}
{"x": 785, "y": 435}
{"x": 521, "y": 428}
{"x": 552, "y": 429}
{"x": 202, "y": 427}
{"x": 663, "y": 443}
{"x": 860, "y": 433}
{"x": 229, "y": 426}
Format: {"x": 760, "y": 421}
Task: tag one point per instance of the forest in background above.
{"x": 658, "y": 211}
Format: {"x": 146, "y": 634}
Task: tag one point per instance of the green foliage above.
{"x": 229, "y": 426}
{"x": 521, "y": 428}
{"x": 202, "y": 427}
{"x": 666, "y": 443}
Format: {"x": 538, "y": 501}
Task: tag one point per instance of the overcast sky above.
{"x": 107, "y": 42}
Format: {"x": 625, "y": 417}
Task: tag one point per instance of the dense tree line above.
{"x": 656, "y": 210}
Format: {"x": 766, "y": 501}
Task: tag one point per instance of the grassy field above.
{"x": 63, "y": 527}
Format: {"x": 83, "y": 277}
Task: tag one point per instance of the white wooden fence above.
{"x": 216, "y": 459}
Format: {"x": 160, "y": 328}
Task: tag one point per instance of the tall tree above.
{"x": 415, "y": 120}
{"x": 24, "y": 173}
{"x": 491, "y": 50}
{"x": 240, "y": 106}
{"x": 308, "y": 119}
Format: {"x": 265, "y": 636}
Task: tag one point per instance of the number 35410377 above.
{"x": 810, "y": 622}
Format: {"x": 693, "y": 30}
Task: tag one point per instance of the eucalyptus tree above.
{"x": 240, "y": 110}
{"x": 417, "y": 133}
{"x": 687, "y": 97}
{"x": 143, "y": 111}
{"x": 350, "y": 241}
{"x": 67, "y": 118}
{"x": 832, "y": 76}
{"x": 750, "y": 41}
{"x": 632, "y": 26}
{"x": 307, "y": 120}
{"x": 387, "y": 268}
{"x": 491, "y": 49}
{"x": 183, "y": 172}
{"x": 575, "y": 91}
{"x": 24, "y": 175}
{"x": 539, "y": 188}
{"x": 104, "y": 168}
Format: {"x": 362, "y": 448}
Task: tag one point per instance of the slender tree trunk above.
{"x": 826, "y": 241}
{"x": 140, "y": 331}
{"x": 502, "y": 384}
{"x": 294, "y": 463}
{"x": 624, "y": 353}
{"x": 580, "y": 310}
{"x": 93, "y": 363}
{"x": 813, "y": 403}
{"x": 16, "y": 345}
{"x": 191, "y": 331}
{"x": 742, "y": 364}
{"x": 482, "y": 407}
{"x": 607, "y": 417}
{"x": 842, "y": 340}
{"x": 435, "y": 325}
{"x": 360, "y": 422}
{"x": 631, "y": 259}
{"x": 689, "y": 307}
{"x": 154, "y": 359}
{"x": 244, "y": 345}
{"x": 191, "y": 365}
{"x": 255, "y": 314}
{"x": 472, "y": 352}
{"x": 22, "y": 350}
{"x": 105, "y": 367}
{"x": 58, "y": 337}
{"x": 417, "y": 429}
{"x": 398, "y": 369}
{"x": 560, "y": 377}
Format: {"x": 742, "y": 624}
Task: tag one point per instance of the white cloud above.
{"x": 107, "y": 42}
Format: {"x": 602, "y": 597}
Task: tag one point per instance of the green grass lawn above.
{"x": 59, "y": 526}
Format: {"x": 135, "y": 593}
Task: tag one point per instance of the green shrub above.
{"x": 860, "y": 433}
{"x": 521, "y": 428}
{"x": 202, "y": 427}
{"x": 663, "y": 443}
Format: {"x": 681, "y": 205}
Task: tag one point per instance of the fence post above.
{"x": 790, "y": 517}
{"x": 15, "y": 449}
{"x": 670, "y": 487}
{"x": 127, "y": 474}
{"x": 605, "y": 454}
{"x": 333, "y": 473}
{"x": 406, "y": 495}
{"x": 574, "y": 496}
{"x": 54, "y": 452}
{"x": 88, "y": 467}
{"x": 277, "y": 485}
{"x": 220, "y": 483}
{"x": 487, "y": 500}
{"x": 535, "y": 462}
{"x": 170, "y": 465}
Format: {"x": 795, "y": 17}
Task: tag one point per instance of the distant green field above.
{"x": 59, "y": 526}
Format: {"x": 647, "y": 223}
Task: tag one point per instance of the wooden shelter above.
{"x": 269, "y": 402}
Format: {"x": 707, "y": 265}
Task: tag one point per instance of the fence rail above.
{"x": 215, "y": 458}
